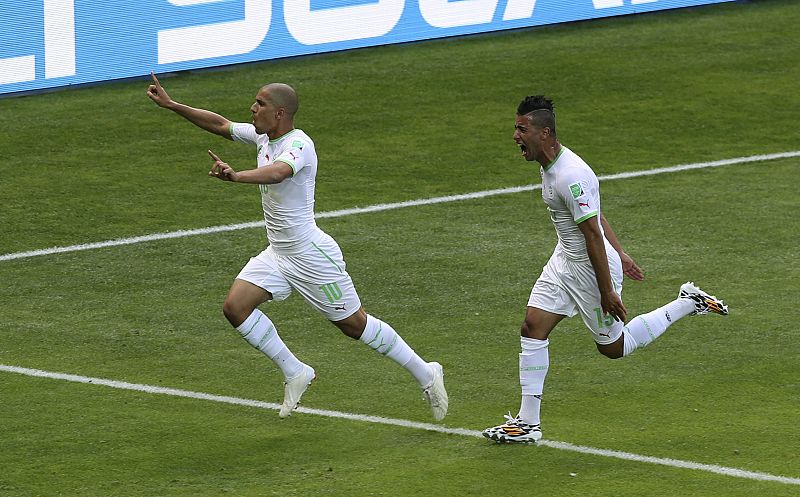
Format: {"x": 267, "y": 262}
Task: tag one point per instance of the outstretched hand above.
{"x": 157, "y": 93}
{"x": 221, "y": 170}
{"x": 630, "y": 268}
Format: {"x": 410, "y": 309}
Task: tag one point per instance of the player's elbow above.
{"x": 274, "y": 178}
{"x": 592, "y": 236}
{"x": 276, "y": 173}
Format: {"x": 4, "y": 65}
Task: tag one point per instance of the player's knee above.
{"x": 350, "y": 331}
{"x": 529, "y": 329}
{"x": 354, "y": 325}
{"x": 235, "y": 312}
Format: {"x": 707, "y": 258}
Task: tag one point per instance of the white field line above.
{"x": 675, "y": 463}
{"x": 385, "y": 207}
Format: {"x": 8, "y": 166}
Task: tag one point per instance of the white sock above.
{"x": 384, "y": 339}
{"x": 629, "y": 344}
{"x": 643, "y": 329}
{"x": 534, "y": 360}
{"x": 259, "y": 332}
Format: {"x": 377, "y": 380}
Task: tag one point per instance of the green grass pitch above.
{"x": 401, "y": 123}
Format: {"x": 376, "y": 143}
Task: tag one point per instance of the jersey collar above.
{"x": 283, "y": 135}
{"x": 554, "y": 160}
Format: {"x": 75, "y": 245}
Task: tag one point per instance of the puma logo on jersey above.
{"x": 583, "y": 204}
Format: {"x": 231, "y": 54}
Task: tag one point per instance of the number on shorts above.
{"x": 603, "y": 321}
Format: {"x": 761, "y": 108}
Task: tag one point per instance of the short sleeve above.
{"x": 244, "y": 133}
{"x": 295, "y": 155}
{"x": 581, "y": 197}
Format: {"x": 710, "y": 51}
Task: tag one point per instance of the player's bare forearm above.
{"x": 596, "y": 250}
{"x": 267, "y": 175}
{"x": 204, "y": 119}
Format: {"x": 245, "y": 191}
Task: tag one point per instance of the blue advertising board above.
{"x": 52, "y": 43}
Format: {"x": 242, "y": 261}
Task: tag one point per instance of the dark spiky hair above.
{"x": 532, "y": 105}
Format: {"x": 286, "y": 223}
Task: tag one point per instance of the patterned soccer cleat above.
{"x": 294, "y": 389}
{"x": 514, "y": 430}
{"x": 703, "y": 302}
{"x": 435, "y": 394}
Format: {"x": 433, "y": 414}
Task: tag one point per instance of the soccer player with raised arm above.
{"x": 584, "y": 274}
{"x": 300, "y": 256}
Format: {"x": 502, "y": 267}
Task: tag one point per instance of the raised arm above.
{"x": 205, "y": 119}
{"x": 629, "y": 266}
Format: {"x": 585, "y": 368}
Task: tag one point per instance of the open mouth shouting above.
{"x": 527, "y": 152}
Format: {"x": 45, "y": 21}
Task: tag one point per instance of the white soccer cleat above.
{"x": 294, "y": 388}
{"x": 435, "y": 394}
{"x": 703, "y": 302}
{"x": 514, "y": 430}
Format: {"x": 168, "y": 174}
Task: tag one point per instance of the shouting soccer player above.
{"x": 584, "y": 274}
{"x": 300, "y": 256}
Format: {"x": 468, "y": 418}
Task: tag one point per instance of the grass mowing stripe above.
{"x": 122, "y": 385}
{"x": 384, "y": 207}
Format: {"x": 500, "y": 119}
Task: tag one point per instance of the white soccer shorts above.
{"x": 567, "y": 288}
{"x": 318, "y": 274}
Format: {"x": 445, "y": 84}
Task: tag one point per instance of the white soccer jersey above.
{"x": 288, "y": 205}
{"x": 572, "y": 194}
